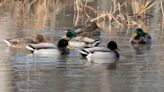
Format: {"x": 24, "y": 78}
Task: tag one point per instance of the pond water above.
{"x": 135, "y": 71}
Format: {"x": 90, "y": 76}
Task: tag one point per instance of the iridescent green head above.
{"x": 63, "y": 46}
{"x": 62, "y": 43}
{"x": 140, "y": 32}
{"x": 70, "y": 33}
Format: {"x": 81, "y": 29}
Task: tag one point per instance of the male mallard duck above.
{"x": 101, "y": 54}
{"x": 141, "y": 37}
{"x": 49, "y": 49}
{"x": 22, "y": 42}
{"x": 80, "y": 41}
{"x": 89, "y": 30}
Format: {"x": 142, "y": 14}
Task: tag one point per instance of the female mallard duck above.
{"x": 141, "y": 37}
{"x": 49, "y": 49}
{"x": 101, "y": 54}
{"x": 22, "y": 42}
{"x": 89, "y": 30}
{"x": 80, "y": 41}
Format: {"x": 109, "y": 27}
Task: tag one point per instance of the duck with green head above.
{"x": 49, "y": 49}
{"x": 89, "y": 30}
{"x": 141, "y": 37}
{"x": 101, "y": 54}
{"x": 80, "y": 41}
{"x": 70, "y": 34}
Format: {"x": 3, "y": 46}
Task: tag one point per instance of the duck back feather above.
{"x": 47, "y": 53}
{"x": 101, "y": 57}
{"x": 101, "y": 54}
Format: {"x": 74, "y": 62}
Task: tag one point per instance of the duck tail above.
{"x": 83, "y": 52}
{"x": 7, "y": 42}
{"x": 29, "y": 47}
{"x": 96, "y": 43}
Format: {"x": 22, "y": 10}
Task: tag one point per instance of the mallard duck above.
{"x": 89, "y": 30}
{"x": 101, "y": 54}
{"x": 49, "y": 49}
{"x": 140, "y": 37}
{"x": 83, "y": 42}
{"x": 80, "y": 41}
{"x": 22, "y": 42}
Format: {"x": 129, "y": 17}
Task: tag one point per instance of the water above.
{"x": 135, "y": 71}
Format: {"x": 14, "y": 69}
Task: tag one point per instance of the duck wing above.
{"x": 86, "y": 51}
{"x": 33, "y": 47}
{"x": 87, "y": 40}
{"x": 18, "y": 42}
{"x": 43, "y": 45}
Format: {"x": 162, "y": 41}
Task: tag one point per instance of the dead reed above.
{"x": 83, "y": 11}
{"x": 162, "y": 10}
{"x": 140, "y": 7}
{"x": 34, "y": 13}
{"x": 117, "y": 16}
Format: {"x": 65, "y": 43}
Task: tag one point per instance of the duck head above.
{"x": 139, "y": 33}
{"x": 70, "y": 34}
{"x": 39, "y": 38}
{"x": 63, "y": 46}
{"x": 112, "y": 45}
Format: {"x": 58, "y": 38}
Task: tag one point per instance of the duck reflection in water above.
{"x": 141, "y": 48}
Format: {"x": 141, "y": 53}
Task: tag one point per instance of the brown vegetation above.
{"x": 117, "y": 16}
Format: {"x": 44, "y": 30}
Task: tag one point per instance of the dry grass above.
{"x": 2, "y": 2}
{"x": 27, "y": 10}
{"x": 162, "y": 10}
{"x": 118, "y": 15}
{"x": 140, "y": 7}
{"x": 112, "y": 15}
{"x": 83, "y": 11}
